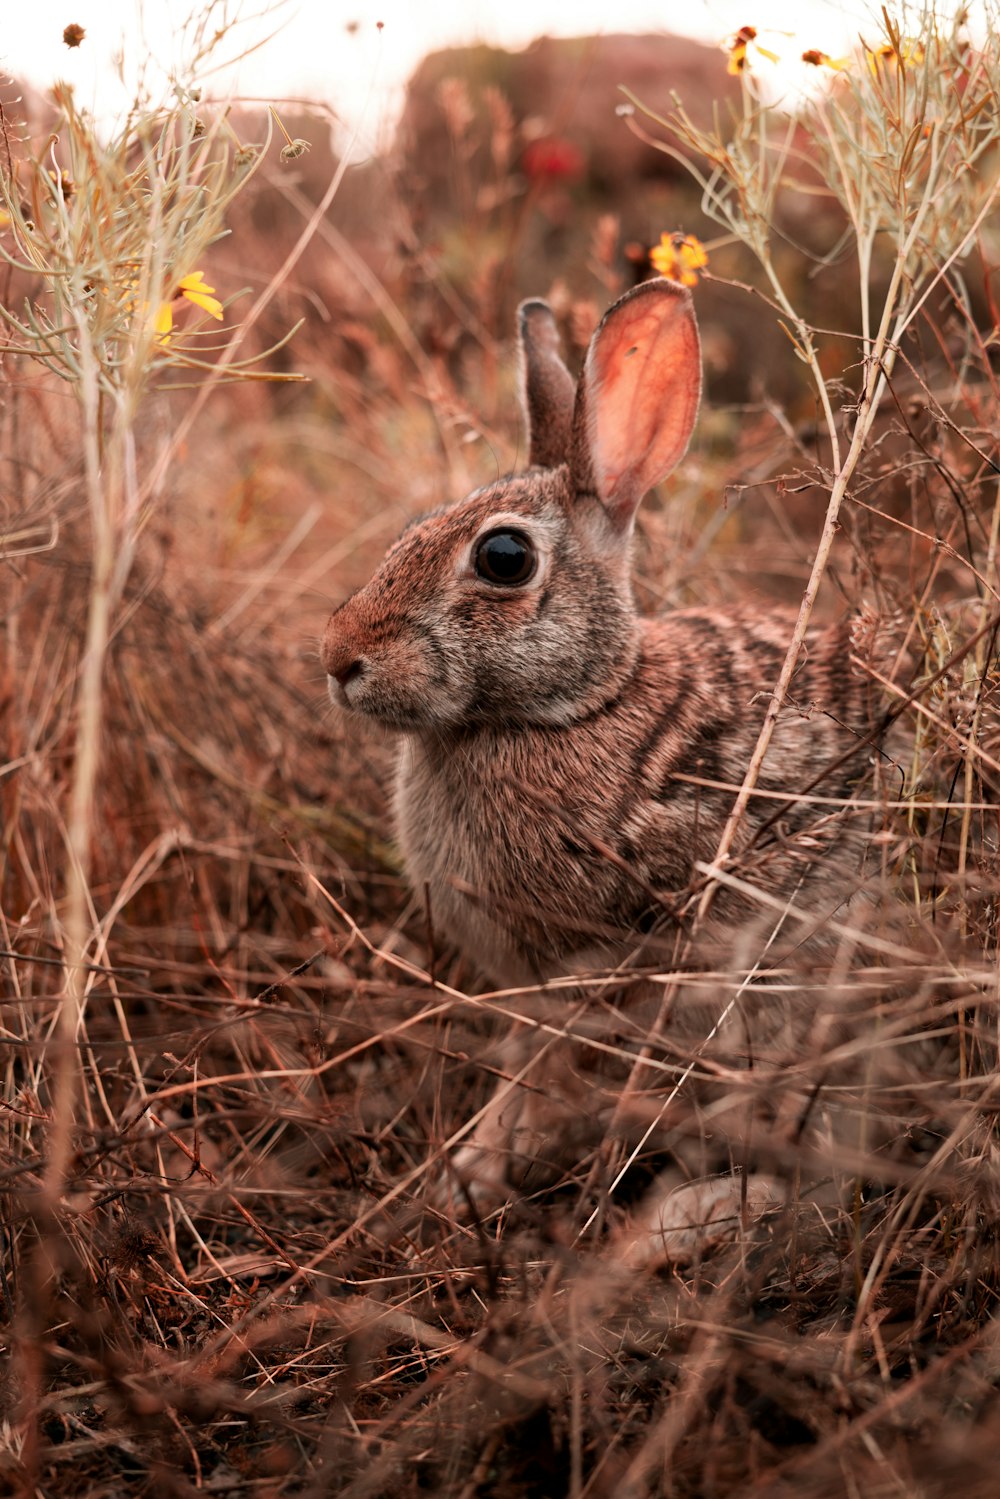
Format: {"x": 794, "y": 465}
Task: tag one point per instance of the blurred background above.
{"x": 481, "y": 155}
{"x": 359, "y": 57}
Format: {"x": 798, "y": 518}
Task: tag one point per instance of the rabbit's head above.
{"x": 515, "y": 605}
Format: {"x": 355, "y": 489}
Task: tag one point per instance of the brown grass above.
{"x": 243, "y": 1285}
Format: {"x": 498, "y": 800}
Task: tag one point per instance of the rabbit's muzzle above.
{"x": 343, "y": 657}
{"x": 390, "y": 669}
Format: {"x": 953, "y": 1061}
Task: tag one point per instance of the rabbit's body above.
{"x": 546, "y": 849}
{"x": 565, "y": 764}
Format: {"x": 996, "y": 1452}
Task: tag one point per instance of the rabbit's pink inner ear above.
{"x": 549, "y": 391}
{"x": 640, "y": 391}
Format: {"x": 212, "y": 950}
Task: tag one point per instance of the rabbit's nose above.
{"x": 345, "y": 674}
{"x": 345, "y": 671}
{"x": 341, "y": 661}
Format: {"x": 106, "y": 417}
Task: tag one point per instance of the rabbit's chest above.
{"x": 512, "y": 846}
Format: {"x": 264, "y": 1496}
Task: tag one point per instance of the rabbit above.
{"x": 564, "y": 763}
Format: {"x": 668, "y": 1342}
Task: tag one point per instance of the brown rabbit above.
{"x": 564, "y": 764}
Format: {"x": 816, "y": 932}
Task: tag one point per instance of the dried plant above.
{"x": 112, "y": 233}
{"x": 905, "y": 139}
{"x": 237, "y": 1063}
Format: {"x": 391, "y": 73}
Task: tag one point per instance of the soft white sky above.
{"x": 361, "y": 73}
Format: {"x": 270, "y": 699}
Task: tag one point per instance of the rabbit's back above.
{"x": 545, "y": 849}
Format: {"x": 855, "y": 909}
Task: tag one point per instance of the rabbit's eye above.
{"x": 505, "y": 557}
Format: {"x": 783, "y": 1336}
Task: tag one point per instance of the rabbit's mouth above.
{"x": 360, "y": 691}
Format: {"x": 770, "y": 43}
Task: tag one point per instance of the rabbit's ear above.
{"x": 548, "y": 387}
{"x": 638, "y": 397}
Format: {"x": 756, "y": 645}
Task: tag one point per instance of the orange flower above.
{"x": 679, "y": 257}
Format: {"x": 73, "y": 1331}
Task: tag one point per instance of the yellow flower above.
{"x": 163, "y": 322}
{"x": 907, "y": 53}
{"x": 817, "y": 59}
{"x": 194, "y": 289}
{"x": 739, "y": 61}
{"x": 679, "y": 257}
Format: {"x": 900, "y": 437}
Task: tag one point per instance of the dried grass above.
{"x": 245, "y": 1280}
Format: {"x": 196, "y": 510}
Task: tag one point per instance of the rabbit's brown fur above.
{"x": 544, "y": 727}
{"x": 548, "y": 733}
{"x": 541, "y": 845}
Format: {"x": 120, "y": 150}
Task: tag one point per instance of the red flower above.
{"x": 552, "y": 158}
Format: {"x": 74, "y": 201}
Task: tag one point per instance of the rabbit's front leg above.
{"x": 479, "y": 1169}
{"x": 528, "y": 1114}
